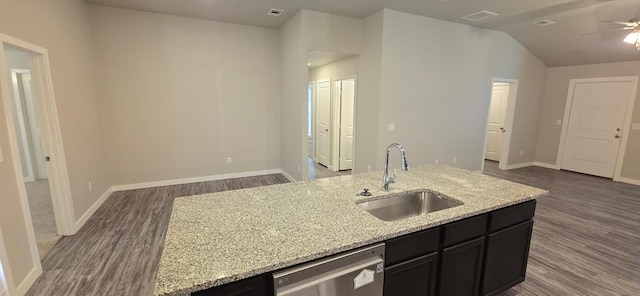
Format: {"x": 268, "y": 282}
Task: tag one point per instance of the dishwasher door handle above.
{"x": 298, "y": 288}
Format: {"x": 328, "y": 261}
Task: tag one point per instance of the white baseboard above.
{"x": 29, "y": 280}
{"x": 291, "y": 179}
{"x": 519, "y": 165}
{"x": 85, "y": 217}
{"x": 627, "y": 180}
{"x": 546, "y": 165}
{"x": 197, "y": 179}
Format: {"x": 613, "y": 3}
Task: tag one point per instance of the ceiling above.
{"x": 556, "y": 45}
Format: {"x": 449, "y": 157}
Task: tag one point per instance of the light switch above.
{"x": 392, "y": 126}
{"x": 635, "y": 126}
{"x": 1, "y": 157}
{"x": 558, "y": 121}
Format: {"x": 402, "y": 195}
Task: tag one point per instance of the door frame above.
{"x": 52, "y": 140}
{"x": 508, "y": 122}
{"x": 627, "y": 117}
{"x": 335, "y": 120}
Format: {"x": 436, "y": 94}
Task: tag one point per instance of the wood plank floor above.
{"x": 586, "y": 235}
{"x": 118, "y": 249}
{"x": 586, "y": 238}
{"x": 318, "y": 171}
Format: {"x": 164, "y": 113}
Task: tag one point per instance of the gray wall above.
{"x": 436, "y": 79}
{"x": 179, "y": 95}
{"x": 64, "y": 29}
{"x": 555, "y": 99}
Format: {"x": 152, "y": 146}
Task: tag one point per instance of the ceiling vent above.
{"x": 480, "y": 16}
{"x": 544, "y": 23}
{"x": 275, "y": 11}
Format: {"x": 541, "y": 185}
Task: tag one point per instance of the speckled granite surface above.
{"x": 214, "y": 239}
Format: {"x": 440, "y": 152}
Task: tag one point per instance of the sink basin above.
{"x": 408, "y": 204}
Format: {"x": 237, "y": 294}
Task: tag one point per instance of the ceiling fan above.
{"x": 633, "y": 24}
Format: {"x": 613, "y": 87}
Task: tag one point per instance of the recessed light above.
{"x": 480, "y": 16}
{"x": 275, "y": 11}
{"x": 544, "y": 23}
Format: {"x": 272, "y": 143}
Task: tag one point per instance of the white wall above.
{"x": 555, "y": 98}
{"x": 368, "y": 97}
{"x": 436, "y": 81}
{"x": 63, "y": 28}
{"x": 293, "y": 89}
{"x": 179, "y": 95}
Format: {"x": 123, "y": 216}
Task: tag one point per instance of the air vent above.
{"x": 275, "y": 11}
{"x": 544, "y": 23}
{"x": 480, "y": 16}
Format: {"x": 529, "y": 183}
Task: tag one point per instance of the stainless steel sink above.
{"x": 407, "y": 204}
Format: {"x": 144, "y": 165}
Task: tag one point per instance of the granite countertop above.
{"x": 214, "y": 239}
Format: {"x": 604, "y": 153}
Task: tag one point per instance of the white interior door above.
{"x": 323, "y": 116}
{"x": 347, "y": 97}
{"x": 595, "y": 127}
{"x": 495, "y": 124}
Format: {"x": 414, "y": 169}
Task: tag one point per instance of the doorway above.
{"x": 37, "y": 107}
{"x": 30, "y": 147}
{"x": 499, "y": 121}
{"x": 596, "y": 125}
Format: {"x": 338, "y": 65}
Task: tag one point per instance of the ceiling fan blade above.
{"x": 602, "y": 32}
{"x": 628, "y": 24}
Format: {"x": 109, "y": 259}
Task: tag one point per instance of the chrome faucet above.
{"x": 386, "y": 180}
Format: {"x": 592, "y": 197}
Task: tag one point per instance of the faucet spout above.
{"x": 386, "y": 179}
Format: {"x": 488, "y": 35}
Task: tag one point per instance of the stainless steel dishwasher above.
{"x": 357, "y": 273}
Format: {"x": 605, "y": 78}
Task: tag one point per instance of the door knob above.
{"x": 502, "y": 129}
{"x": 618, "y": 129}
{"x": 326, "y": 130}
{"x": 617, "y": 136}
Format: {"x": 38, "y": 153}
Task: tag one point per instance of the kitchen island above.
{"x": 219, "y": 238}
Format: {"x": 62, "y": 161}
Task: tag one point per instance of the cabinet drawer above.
{"x": 412, "y": 245}
{"x": 463, "y": 230}
{"x": 512, "y": 215}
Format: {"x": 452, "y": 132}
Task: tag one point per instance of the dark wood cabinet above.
{"x": 461, "y": 268}
{"x": 416, "y": 277}
{"x": 506, "y": 258}
{"x": 256, "y": 286}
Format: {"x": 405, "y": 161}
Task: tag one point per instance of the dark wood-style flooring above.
{"x": 586, "y": 234}
{"x": 586, "y": 238}
{"x": 318, "y": 171}
{"x": 117, "y": 251}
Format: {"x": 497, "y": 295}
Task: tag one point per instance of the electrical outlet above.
{"x": 369, "y": 168}
{"x": 635, "y": 126}
{"x": 558, "y": 121}
{"x": 392, "y": 126}
{"x": 229, "y": 160}
{"x": 521, "y": 152}
{"x": 90, "y": 186}
{"x": 455, "y": 159}
{"x": 437, "y": 161}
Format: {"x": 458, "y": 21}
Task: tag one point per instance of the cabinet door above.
{"x": 412, "y": 278}
{"x": 250, "y": 287}
{"x": 507, "y": 255}
{"x": 461, "y": 268}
